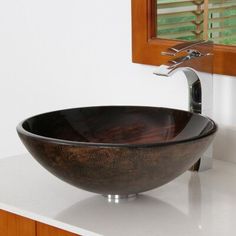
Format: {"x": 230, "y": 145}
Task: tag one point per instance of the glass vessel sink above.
{"x": 117, "y": 150}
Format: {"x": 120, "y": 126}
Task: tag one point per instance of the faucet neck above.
{"x": 197, "y": 66}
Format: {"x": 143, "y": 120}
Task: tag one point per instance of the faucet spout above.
{"x": 197, "y": 66}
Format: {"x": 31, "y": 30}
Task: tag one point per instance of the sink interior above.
{"x": 119, "y": 125}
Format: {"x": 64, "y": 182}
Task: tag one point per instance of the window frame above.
{"x": 147, "y": 48}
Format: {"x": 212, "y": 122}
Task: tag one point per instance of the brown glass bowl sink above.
{"x": 117, "y": 150}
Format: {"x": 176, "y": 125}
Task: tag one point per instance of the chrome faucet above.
{"x": 195, "y": 59}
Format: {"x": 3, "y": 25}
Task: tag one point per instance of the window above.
{"x": 155, "y": 20}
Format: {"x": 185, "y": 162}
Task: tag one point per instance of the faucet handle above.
{"x": 185, "y": 47}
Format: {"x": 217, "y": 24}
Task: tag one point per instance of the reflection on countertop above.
{"x": 145, "y": 215}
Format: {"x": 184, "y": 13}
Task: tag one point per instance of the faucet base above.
{"x": 196, "y": 166}
{"x": 205, "y": 162}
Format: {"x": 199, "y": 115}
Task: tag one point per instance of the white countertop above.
{"x": 193, "y": 204}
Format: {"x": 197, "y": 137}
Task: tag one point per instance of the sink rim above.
{"x": 21, "y": 130}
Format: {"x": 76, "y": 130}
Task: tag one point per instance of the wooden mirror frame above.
{"x": 147, "y": 48}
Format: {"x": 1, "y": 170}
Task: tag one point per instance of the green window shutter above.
{"x": 197, "y": 19}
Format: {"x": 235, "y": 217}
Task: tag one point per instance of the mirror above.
{"x": 196, "y": 20}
